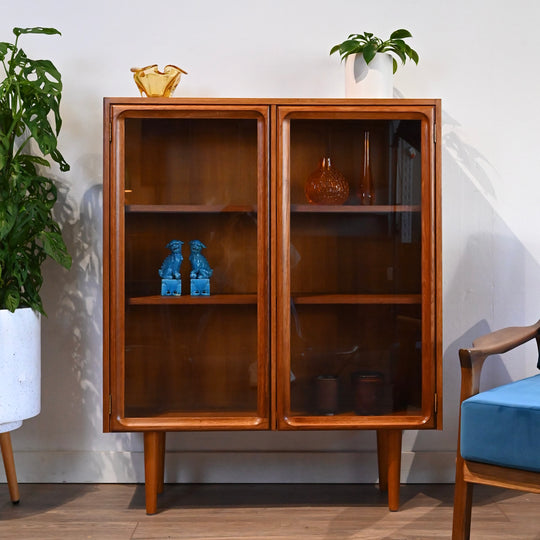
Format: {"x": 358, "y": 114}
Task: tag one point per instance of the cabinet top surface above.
{"x": 390, "y": 102}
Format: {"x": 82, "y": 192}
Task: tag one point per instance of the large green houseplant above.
{"x": 30, "y": 121}
{"x": 30, "y": 93}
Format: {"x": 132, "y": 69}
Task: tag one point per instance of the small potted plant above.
{"x": 370, "y": 62}
{"x": 30, "y": 93}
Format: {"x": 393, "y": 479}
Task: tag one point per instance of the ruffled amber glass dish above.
{"x": 155, "y": 83}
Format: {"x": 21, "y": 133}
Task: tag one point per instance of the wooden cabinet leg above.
{"x": 394, "y": 468}
{"x": 161, "y": 456}
{"x": 382, "y": 458}
{"x": 154, "y": 456}
{"x": 389, "y": 458}
{"x": 9, "y": 466}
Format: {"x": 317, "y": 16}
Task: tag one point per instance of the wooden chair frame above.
{"x": 468, "y": 472}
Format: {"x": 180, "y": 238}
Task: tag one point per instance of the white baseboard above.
{"x": 229, "y": 467}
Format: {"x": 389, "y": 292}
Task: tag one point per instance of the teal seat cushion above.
{"x": 502, "y": 426}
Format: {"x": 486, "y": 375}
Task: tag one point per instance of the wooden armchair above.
{"x": 489, "y": 450}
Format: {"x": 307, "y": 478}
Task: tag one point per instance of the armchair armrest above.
{"x": 498, "y": 342}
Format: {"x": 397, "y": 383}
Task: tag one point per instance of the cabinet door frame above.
{"x": 428, "y": 112}
{"x": 116, "y": 111}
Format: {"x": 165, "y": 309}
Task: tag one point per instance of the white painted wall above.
{"x": 479, "y": 56}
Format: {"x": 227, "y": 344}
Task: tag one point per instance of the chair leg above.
{"x": 461, "y": 525}
{"x": 9, "y": 466}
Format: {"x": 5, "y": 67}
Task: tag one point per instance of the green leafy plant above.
{"x": 30, "y": 122}
{"x": 369, "y": 45}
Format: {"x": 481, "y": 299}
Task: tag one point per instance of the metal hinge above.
{"x": 110, "y": 404}
{"x": 436, "y": 402}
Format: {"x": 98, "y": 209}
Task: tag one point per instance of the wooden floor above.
{"x": 267, "y": 511}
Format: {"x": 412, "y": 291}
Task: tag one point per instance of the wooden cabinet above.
{"x": 321, "y": 316}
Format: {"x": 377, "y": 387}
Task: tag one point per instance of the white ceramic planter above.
{"x": 373, "y": 80}
{"x": 20, "y": 367}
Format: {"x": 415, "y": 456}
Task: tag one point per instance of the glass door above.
{"x": 192, "y": 349}
{"x": 356, "y": 247}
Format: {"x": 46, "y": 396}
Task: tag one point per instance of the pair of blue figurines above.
{"x": 171, "y": 284}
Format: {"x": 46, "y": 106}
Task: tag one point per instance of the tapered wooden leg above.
{"x": 389, "y": 458}
{"x": 161, "y": 456}
{"x": 461, "y": 526}
{"x": 9, "y": 466}
{"x": 154, "y": 455}
{"x": 382, "y": 458}
{"x": 394, "y": 468}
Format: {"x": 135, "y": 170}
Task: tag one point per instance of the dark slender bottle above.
{"x": 366, "y": 193}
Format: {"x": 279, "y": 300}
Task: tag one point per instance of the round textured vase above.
{"x": 326, "y": 185}
{"x": 373, "y": 80}
{"x": 20, "y": 367}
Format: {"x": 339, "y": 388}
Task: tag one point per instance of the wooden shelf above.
{"x": 412, "y": 412}
{"x": 298, "y": 299}
{"x": 193, "y": 414}
{"x": 354, "y": 209}
{"x": 189, "y": 208}
{"x": 231, "y": 299}
{"x": 357, "y": 298}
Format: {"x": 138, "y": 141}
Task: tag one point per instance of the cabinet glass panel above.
{"x": 355, "y": 267}
{"x": 196, "y": 359}
{"x": 201, "y": 178}
{"x": 191, "y": 161}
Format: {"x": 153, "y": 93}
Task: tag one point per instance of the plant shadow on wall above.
{"x": 72, "y": 379}
{"x": 485, "y": 270}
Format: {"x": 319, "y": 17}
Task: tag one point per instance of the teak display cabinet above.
{"x": 321, "y": 316}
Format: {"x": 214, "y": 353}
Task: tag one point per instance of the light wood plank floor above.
{"x": 267, "y": 511}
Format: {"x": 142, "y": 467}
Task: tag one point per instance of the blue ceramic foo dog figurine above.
{"x": 171, "y": 284}
{"x": 200, "y": 270}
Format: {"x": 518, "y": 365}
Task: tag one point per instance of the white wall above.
{"x": 479, "y": 56}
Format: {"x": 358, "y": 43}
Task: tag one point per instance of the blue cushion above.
{"x": 502, "y": 426}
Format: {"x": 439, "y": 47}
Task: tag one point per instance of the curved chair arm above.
{"x": 497, "y": 342}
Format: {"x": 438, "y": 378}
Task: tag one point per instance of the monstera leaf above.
{"x": 30, "y": 95}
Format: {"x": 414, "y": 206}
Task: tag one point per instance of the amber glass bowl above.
{"x": 155, "y": 83}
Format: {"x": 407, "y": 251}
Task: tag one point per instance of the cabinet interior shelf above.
{"x": 234, "y": 415}
{"x": 189, "y": 208}
{"x": 297, "y": 298}
{"x": 354, "y": 209}
{"x": 194, "y": 300}
{"x": 357, "y": 298}
{"x": 297, "y": 208}
{"x": 194, "y": 416}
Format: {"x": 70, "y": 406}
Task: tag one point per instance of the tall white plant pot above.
{"x": 20, "y": 367}
{"x": 373, "y": 80}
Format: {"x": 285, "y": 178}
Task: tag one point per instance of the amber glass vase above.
{"x": 326, "y": 185}
{"x": 366, "y": 192}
